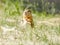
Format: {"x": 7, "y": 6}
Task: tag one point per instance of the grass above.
{"x": 46, "y": 31}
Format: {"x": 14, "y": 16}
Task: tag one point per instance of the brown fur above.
{"x": 27, "y": 16}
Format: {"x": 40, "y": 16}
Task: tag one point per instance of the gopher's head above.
{"x": 27, "y": 11}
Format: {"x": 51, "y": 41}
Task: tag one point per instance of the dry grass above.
{"x": 46, "y": 31}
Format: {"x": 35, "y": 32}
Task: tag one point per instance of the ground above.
{"x": 46, "y": 31}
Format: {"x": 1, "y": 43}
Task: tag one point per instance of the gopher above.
{"x": 27, "y": 17}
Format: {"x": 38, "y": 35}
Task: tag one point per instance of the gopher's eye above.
{"x": 26, "y": 13}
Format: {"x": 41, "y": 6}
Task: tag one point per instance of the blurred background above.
{"x": 46, "y": 6}
{"x": 46, "y": 17}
